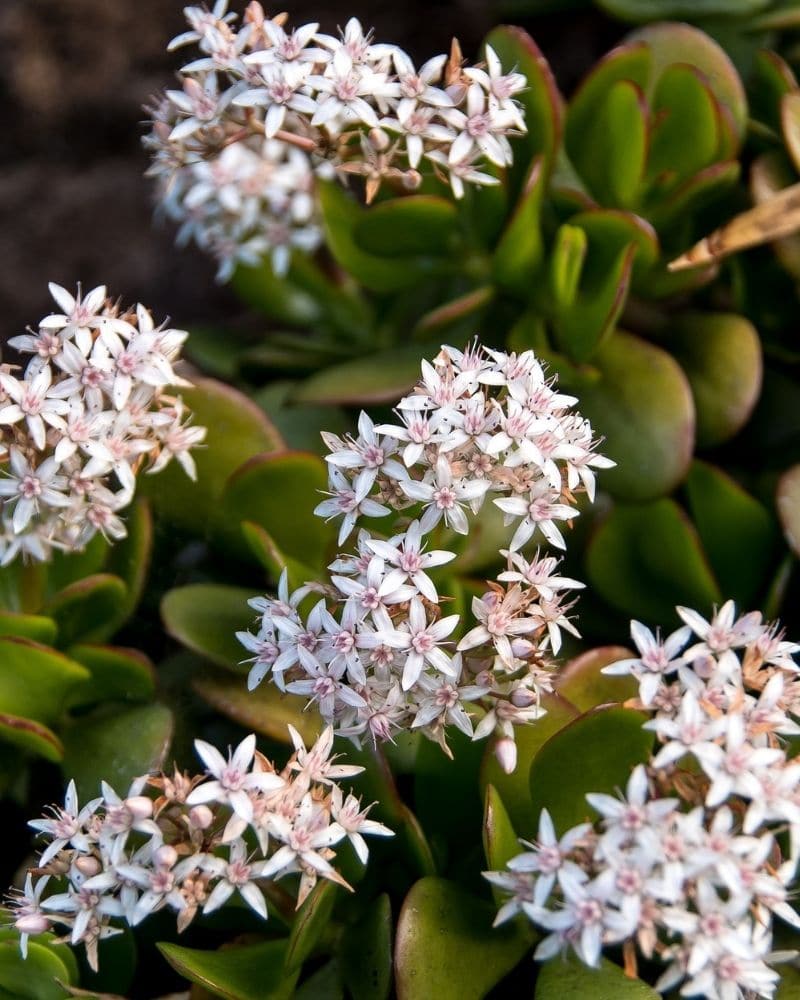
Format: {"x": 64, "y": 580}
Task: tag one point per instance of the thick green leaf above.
{"x": 686, "y": 127}
{"x": 662, "y": 10}
{"x": 453, "y": 316}
{"x": 129, "y": 559}
{"x": 681, "y": 43}
{"x": 611, "y": 156}
{"x": 569, "y": 979}
{"x": 583, "y": 684}
{"x": 738, "y": 534}
{"x": 206, "y": 616}
{"x": 116, "y": 674}
{"x": 70, "y": 567}
{"x": 500, "y": 843}
{"x": 514, "y": 788}
{"x": 265, "y": 710}
{"x": 366, "y": 953}
{"x": 116, "y": 747}
{"x": 788, "y": 503}
{"x": 520, "y": 250}
{"x": 566, "y": 264}
{"x": 541, "y": 99}
{"x": 35, "y": 681}
{"x": 595, "y": 753}
{"x": 324, "y": 984}
{"x": 33, "y": 978}
{"x": 401, "y": 227}
{"x": 770, "y": 79}
{"x": 631, "y": 64}
{"x": 36, "y": 627}
{"x": 445, "y": 946}
{"x": 382, "y": 377}
{"x": 299, "y": 426}
{"x": 446, "y": 793}
{"x": 342, "y": 218}
{"x": 264, "y": 548}
{"x": 237, "y": 430}
{"x": 645, "y": 559}
{"x": 30, "y": 736}
{"x": 642, "y": 405}
{"x": 310, "y": 923}
{"x": 278, "y": 298}
{"x": 704, "y": 188}
{"x": 789, "y": 986}
{"x": 279, "y": 492}
{"x": 721, "y": 355}
{"x": 89, "y": 610}
{"x": 250, "y": 972}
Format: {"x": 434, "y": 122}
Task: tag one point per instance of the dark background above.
{"x": 74, "y": 75}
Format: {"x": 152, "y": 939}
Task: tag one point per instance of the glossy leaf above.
{"x": 788, "y": 503}
{"x": 445, "y": 946}
{"x": 500, "y": 842}
{"x": 366, "y": 953}
{"x": 279, "y": 492}
{"x": 299, "y": 426}
{"x": 643, "y": 407}
{"x": 265, "y": 710}
{"x": 738, "y": 534}
{"x": 89, "y": 610}
{"x": 342, "y": 218}
{"x": 382, "y": 377}
{"x": 249, "y": 972}
{"x": 770, "y": 79}
{"x": 34, "y": 978}
{"x": 36, "y": 627}
{"x": 672, "y": 43}
{"x": 453, "y": 315}
{"x": 401, "y": 227}
{"x": 646, "y": 559}
{"x": 237, "y": 430}
{"x": 116, "y": 747}
{"x": 310, "y": 923}
{"x": 520, "y": 250}
{"x": 30, "y": 736}
{"x": 116, "y": 674}
{"x": 541, "y": 100}
{"x": 686, "y": 128}
{"x": 205, "y": 616}
{"x": 570, "y": 979}
{"x": 595, "y": 753}
{"x": 264, "y": 548}
{"x": 721, "y": 355}
{"x": 35, "y": 681}
{"x": 566, "y": 264}
{"x": 582, "y": 682}
{"x": 514, "y": 788}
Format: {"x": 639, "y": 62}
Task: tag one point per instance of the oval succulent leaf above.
{"x": 570, "y": 979}
{"x": 236, "y": 973}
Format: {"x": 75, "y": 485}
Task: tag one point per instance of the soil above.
{"x": 74, "y": 75}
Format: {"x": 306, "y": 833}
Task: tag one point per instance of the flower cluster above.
{"x": 688, "y": 864}
{"x": 188, "y": 849}
{"x": 89, "y": 409}
{"x": 264, "y": 111}
{"x": 374, "y": 653}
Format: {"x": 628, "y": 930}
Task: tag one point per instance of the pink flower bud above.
{"x": 33, "y": 923}
{"x": 88, "y": 866}
{"x": 506, "y": 752}
{"x": 139, "y": 806}
{"x": 165, "y": 856}
{"x": 379, "y": 139}
{"x": 523, "y": 697}
{"x": 201, "y": 817}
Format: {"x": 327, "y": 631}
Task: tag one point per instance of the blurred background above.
{"x": 74, "y": 77}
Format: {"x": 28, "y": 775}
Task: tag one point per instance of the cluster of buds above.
{"x": 688, "y": 865}
{"x": 118, "y": 860}
{"x": 89, "y": 409}
{"x": 374, "y": 654}
{"x": 264, "y": 111}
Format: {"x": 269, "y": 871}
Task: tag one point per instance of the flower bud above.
{"x": 32, "y": 923}
{"x": 201, "y": 817}
{"x": 139, "y": 806}
{"x": 523, "y": 697}
{"x": 88, "y": 865}
{"x": 165, "y": 856}
{"x": 505, "y": 750}
{"x": 379, "y": 140}
{"x": 412, "y": 180}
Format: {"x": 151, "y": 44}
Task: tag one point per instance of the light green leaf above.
{"x": 500, "y": 843}
{"x": 36, "y": 627}
{"x": 445, "y": 946}
{"x": 250, "y": 972}
{"x": 37, "y": 682}
{"x": 116, "y": 674}
{"x": 30, "y": 736}
{"x": 206, "y": 616}
{"x": 402, "y": 227}
{"x": 570, "y": 979}
{"x": 310, "y": 923}
{"x": 89, "y": 610}
{"x": 34, "y": 978}
{"x": 582, "y": 682}
{"x": 382, "y": 377}
{"x": 520, "y": 250}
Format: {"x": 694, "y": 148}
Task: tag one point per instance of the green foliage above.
{"x": 570, "y": 979}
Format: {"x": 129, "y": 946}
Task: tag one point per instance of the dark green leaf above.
{"x": 310, "y": 923}
{"x": 645, "y": 559}
{"x": 520, "y": 250}
{"x": 324, "y": 984}
{"x": 500, "y": 843}
{"x": 453, "y": 315}
{"x": 116, "y": 674}
{"x": 89, "y": 610}
{"x": 662, "y": 10}
{"x": 35, "y": 681}
{"x": 445, "y": 946}
{"x": 299, "y": 426}
{"x": 205, "y": 616}
{"x": 116, "y": 747}
{"x": 377, "y": 378}
{"x": 570, "y": 979}
{"x": 582, "y": 682}
{"x": 446, "y": 793}
{"x": 34, "y": 978}
{"x": 366, "y": 953}
{"x": 129, "y": 559}
{"x": 722, "y": 511}
{"x": 770, "y": 79}
{"x": 418, "y": 224}
{"x": 251, "y": 972}
{"x": 686, "y": 129}
{"x": 595, "y": 753}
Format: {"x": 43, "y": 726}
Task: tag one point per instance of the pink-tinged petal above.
{"x": 211, "y": 757}
{"x": 220, "y": 894}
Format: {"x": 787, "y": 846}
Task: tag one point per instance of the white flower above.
{"x": 232, "y": 778}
